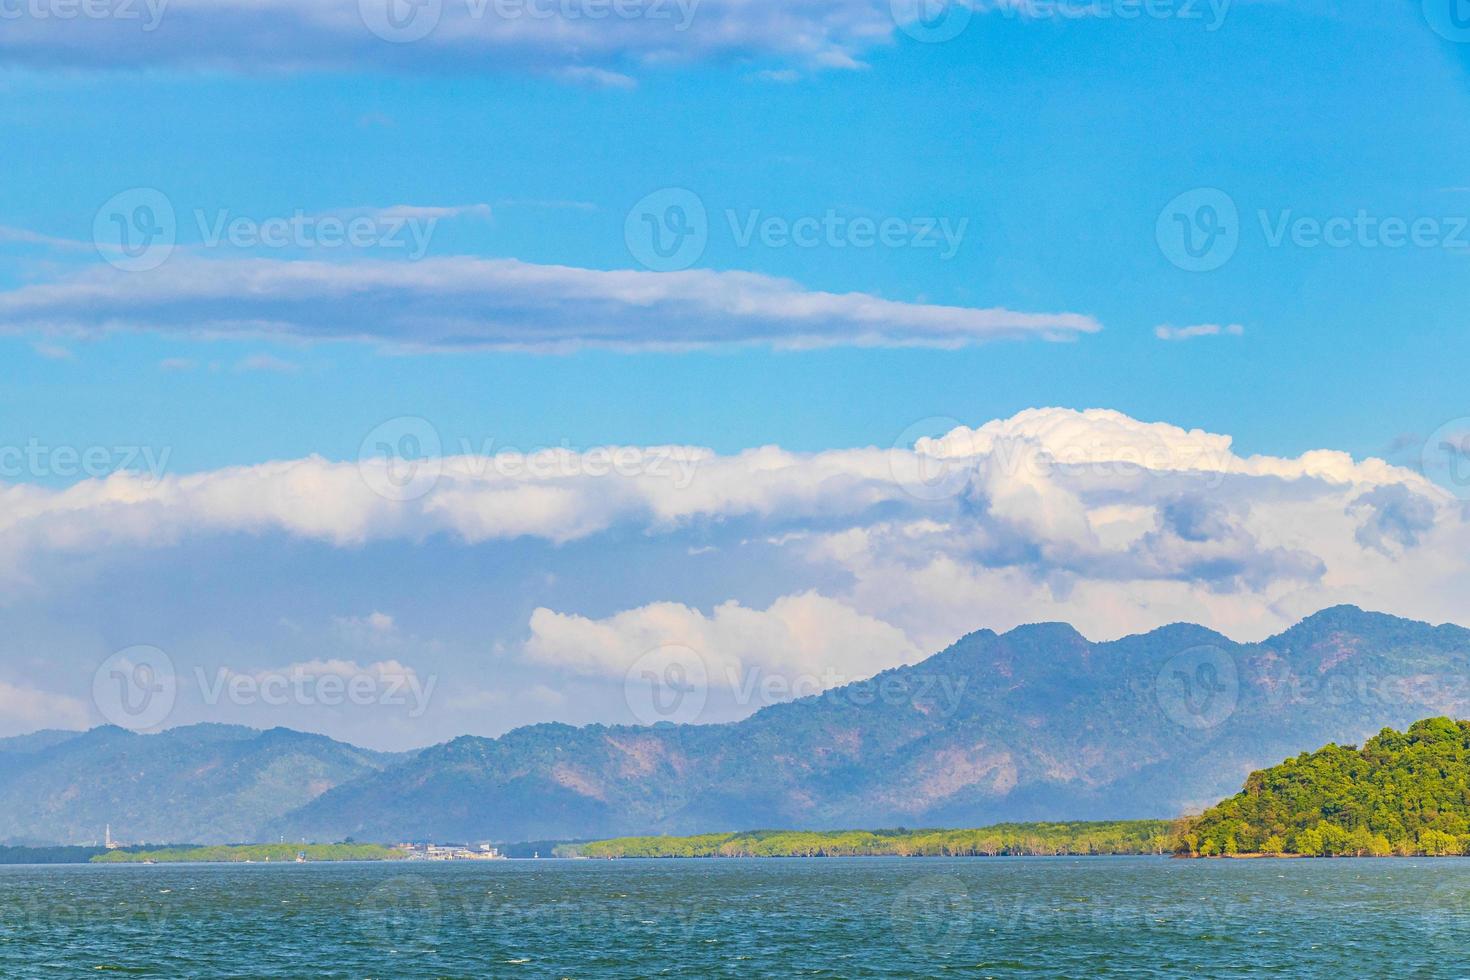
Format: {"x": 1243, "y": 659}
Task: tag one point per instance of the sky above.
{"x": 404, "y": 370}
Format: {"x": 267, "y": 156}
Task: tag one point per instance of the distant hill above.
{"x": 1046, "y": 725}
{"x": 201, "y": 783}
{"x": 1402, "y": 793}
{"x": 1035, "y": 724}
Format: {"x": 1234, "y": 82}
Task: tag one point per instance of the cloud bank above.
{"x": 1089, "y": 516}
{"x": 824, "y": 566}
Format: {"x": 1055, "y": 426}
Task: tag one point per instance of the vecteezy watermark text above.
{"x": 1201, "y": 229}
{"x": 138, "y": 229}
{"x": 673, "y": 683}
{"x": 408, "y": 233}
{"x": 148, "y": 12}
{"x": 833, "y": 230}
{"x": 40, "y": 461}
{"x": 937, "y": 21}
{"x": 669, "y": 230}
{"x": 404, "y": 458}
{"x": 329, "y": 689}
{"x": 407, "y": 21}
{"x": 138, "y": 687}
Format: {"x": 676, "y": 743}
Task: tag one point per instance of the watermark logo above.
{"x": 401, "y": 459}
{"x": 1199, "y": 230}
{"x": 933, "y": 917}
{"x": 401, "y": 21}
{"x": 923, "y": 468}
{"x": 406, "y": 21}
{"x": 403, "y": 913}
{"x": 136, "y": 230}
{"x": 1450, "y": 19}
{"x": 667, "y": 231}
{"x": 135, "y": 688}
{"x": 667, "y": 684}
{"x": 1445, "y": 457}
{"x": 931, "y": 21}
{"x": 1198, "y": 688}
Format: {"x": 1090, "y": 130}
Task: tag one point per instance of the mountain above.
{"x": 1037, "y": 723}
{"x": 1403, "y": 792}
{"x": 200, "y": 783}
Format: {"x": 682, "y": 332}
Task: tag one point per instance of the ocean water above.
{"x": 881, "y": 917}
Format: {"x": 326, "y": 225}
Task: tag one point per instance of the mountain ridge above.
{"x": 1052, "y": 725}
{"x": 1035, "y": 723}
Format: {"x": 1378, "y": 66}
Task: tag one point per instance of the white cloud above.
{"x": 1166, "y": 332}
{"x": 455, "y": 303}
{"x": 453, "y": 36}
{"x": 806, "y": 635}
{"x": 267, "y": 363}
{"x": 375, "y": 627}
{"x": 1092, "y": 517}
{"x": 383, "y": 671}
{"x": 596, "y": 77}
{"x": 54, "y": 352}
{"x": 25, "y": 709}
{"x": 421, "y": 212}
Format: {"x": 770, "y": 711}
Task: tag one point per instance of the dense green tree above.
{"x": 1402, "y": 792}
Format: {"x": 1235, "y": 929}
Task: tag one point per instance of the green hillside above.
{"x": 1401, "y": 793}
{"x": 205, "y": 784}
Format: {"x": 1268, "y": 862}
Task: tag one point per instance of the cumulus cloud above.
{"x": 456, "y": 303}
{"x": 375, "y": 627}
{"x": 323, "y": 683}
{"x": 807, "y": 635}
{"x": 1087, "y": 516}
{"x": 1393, "y": 516}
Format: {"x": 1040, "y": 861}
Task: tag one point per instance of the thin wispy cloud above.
{"x": 53, "y": 352}
{"x": 1166, "y": 332}
{"x": 266, "y": 363}
{"x": 578, "y": 40}
{"x": 1118, "y": 520}
{"x": 506, "y": 304}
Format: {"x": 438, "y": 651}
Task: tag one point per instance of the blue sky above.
{"x": 1048, "y": 149}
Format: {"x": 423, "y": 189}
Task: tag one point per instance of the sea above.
{"x": 833, "y": 917}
